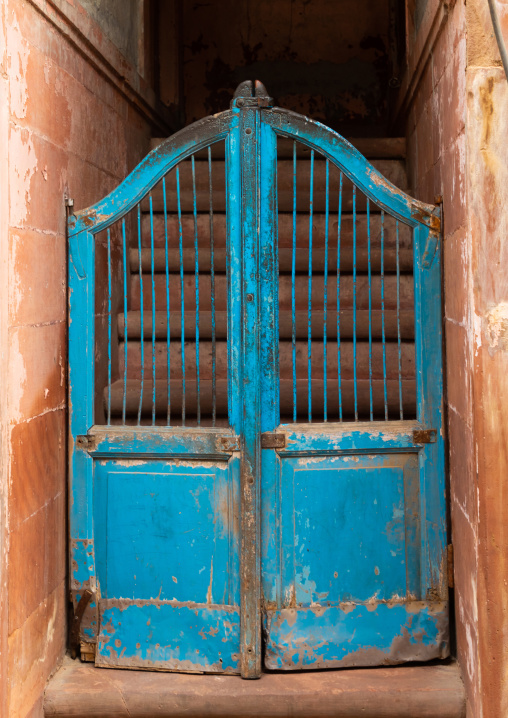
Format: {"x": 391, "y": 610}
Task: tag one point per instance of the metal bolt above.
{"x": 240, "y": 102}
{"x": 249, "y": 297}
{"x": 248, "y": 131}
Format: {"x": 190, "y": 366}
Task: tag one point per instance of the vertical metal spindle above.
{"x": 168, "y": 308}
{"x": 339, "y": 227}
{"x": 141, "y": 318}
{"x": 355, "y": 379}
{"x": 182, "y": 288}
{"x": 152, "y": 268}
{"x": 212, "y": 291}
{"x": 126, "y": 332}
{"x": 196, "y": 286}
{"x": 385, "y": 389}
{"x": 293, "y": 282}
{"x": 401, "y": 409}
{"x": 309, "y": 299}
{"x": 369, "y": 269}
{"x": 109, "y": 328}
{"x": 325, "y": 294}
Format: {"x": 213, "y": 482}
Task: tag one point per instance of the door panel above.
{"x": 167, "y": 557}
{"x": 346, "y": 542}
{"x": 350, "y": 546}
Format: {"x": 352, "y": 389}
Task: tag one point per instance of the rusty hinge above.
{"x": 76, "y": 621}
{"x": 272, "y": 440}
{"x": 229, "y": 444}
{"x": 450, "y": 565}
{"x": 85, "y": 442}
{"x": 424, "y": 436}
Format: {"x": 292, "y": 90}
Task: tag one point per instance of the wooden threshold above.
{"x": 80, "y": 690}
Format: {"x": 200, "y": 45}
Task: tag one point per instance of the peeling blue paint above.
{"x": 363, "y": 635}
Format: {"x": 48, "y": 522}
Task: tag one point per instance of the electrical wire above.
{"x": 499, "y": 35}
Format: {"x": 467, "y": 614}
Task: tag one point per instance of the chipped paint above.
{"x": 169, "y": 636}
{"x": 366, "y": 635}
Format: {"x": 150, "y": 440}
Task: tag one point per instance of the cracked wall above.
{"x": 65, "y": 128}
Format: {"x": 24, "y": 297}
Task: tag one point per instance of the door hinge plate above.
{"x": 272, "y": 440}
{"x": 424, "y": 436}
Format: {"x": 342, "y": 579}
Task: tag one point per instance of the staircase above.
{"x": 176, "y": 257}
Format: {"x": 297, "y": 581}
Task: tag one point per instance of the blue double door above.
{"x": 308, "y": 531}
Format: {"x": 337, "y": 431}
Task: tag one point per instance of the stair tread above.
{"x": 370, "y": 147}
{"x": 82, "y": 691}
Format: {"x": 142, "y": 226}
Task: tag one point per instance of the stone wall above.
{"x": 457, "y": 145}
{"x": 67, "y": 126}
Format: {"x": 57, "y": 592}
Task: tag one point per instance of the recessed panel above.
{"x": 344, "y": 528}
{"x": 164, "y": 531}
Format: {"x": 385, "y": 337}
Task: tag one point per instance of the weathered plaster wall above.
{"x": 487, "y": 152}
{"x": 457, "y": 135}
{"x": 437, "y": 152}
{"x": 326, "y": 59}
{"x": 67, "y": 126}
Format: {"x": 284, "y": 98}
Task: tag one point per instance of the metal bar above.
{"x": 152, "y": 268}
{"x": 383, "y": 312}
{"x": 309, "y": 299}
{"x": 168, "y": 308}
{"x": 401, "y": 409}
{"x": 293, "y": 281}
{"x": 355, "y": 383}
{"x": 126, "y": 333}
{"x": 325, "y": 294}
{"x": 109, "y": 328}
{"x": 250, "y": 642}
{"x": 371, "y": 403}
{"x": 141, "y": 318}
{"x": 182, "y": 288}
{"x": 212, "y": 292}
{"x": 196, "y": 286}
{"x": 339, "y": 226}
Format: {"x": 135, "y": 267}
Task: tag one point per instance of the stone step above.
{"x": 393, "y": 170}
{"x": 346, "y": 292}
{"x": 388, "y": 148}
{"x": 348, "y": 259}
{"x": 346, "y": 319}
{"x": 137, "y": 350}
{"x": 285, "y": 231}
{"x": 133, "y": 394}
{"x": 79, "y": 690}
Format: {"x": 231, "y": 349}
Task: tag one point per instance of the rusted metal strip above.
{"x": 272, "y": 440}
{"x": 425, "y": 436}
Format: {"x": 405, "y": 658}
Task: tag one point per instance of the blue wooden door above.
{"x": 257, "y": 467}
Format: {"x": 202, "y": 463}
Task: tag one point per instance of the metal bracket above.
{"x": 272, "y": 440}
{"x": 424, "y": 436}
{"x": 76, "y": 621}
{"x": 229, "y": 444}
{"x": 85, "y": 442}
{"x": 247, "y": 95}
